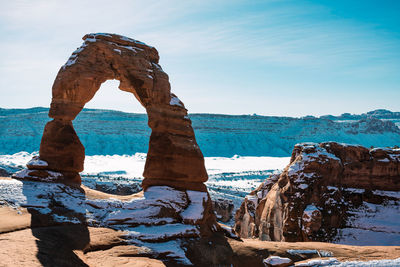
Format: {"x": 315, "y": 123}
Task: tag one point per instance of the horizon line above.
{"x": 199, "y": 113}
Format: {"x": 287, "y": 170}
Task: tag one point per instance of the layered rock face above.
{"x": 173, "y": 159}
{"x": 329, "y": 192}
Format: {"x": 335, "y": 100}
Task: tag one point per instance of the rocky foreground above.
{"x": 329, "y": 192}
{"x": 50, "y": 224}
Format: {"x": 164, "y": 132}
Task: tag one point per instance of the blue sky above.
{"x": 289, "y": 58}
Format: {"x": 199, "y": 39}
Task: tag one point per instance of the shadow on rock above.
{"x": 58, "y": 222}
{"x": 209, "y": 251}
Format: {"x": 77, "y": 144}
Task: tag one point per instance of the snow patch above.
{"x": 160, "y": 232}
{"x": 303, "y": 186}
{"x": 101, "y": 34}
{"x": 320, "y": 262}
{"x": 302, "y": 251}
{"x": 91, "y": 40}
{"x": 133, "y": 41}
{"x": 37, "y": 162}
{"x": 171, "y": 248}
{"x": 26, "y": 173}
{"x": 276, "y": 260}
{"x": 71, "y": 61}
{"x": 195, "y": 210}
{"x": 175, "y": 101}
{"x": 336, "y": 263}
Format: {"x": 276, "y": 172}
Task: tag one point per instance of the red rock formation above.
{"x": 173, "y": 158}
{"x": 326, "y": 190}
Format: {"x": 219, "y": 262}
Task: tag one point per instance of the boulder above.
{"x": 328, "y": 192}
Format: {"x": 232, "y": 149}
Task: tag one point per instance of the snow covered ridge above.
{"x": 329, "y": 192}
{"x": 217, "y": 135}
{"x": 162, "y": 214}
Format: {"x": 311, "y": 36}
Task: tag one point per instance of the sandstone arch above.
{"x": 173, "y": 158}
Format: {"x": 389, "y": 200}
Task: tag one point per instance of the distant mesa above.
{"x": 377, "y": 114}
{"x": 329, "y": 192}
{"x": 102, "y": 132}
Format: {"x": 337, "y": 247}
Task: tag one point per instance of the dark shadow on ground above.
{"x": 59, "y": 229}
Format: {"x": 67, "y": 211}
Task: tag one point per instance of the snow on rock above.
{"x": 229, "y": 231}
{"x": 34, "y": 175}
{"x": 131, "y": 48}
{"x": 154, "y": 217}
{"x": 101, "y": 34}
{"x": 336, "y": 263}
{"x": 321, "y": 253}
{"x": 133, "y": 40}
{"x": 172, "y": 249}
{"x": 175, "y": 101}
{"x": 37, "y": 162}
{"x": 320, "y": 262}
{"x": 302, "y": 251}
{"x": 72, "y": 60}
{"x": 277, "y": 261}
{"x": 197, "y": 202}
{"x": 309, "y": 212}
{"x": 41, "y": 196}
{"x": 162, "y": 232}
{"x": 230, "y": 178}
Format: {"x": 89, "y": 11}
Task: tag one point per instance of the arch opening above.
{"x": 110, "y": 97}
{"x": 100, "y": 132}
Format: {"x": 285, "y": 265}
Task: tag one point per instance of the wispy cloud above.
{"x": 292, "y": 37}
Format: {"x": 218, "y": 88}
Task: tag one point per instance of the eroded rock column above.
{"x": 174, "y": 158}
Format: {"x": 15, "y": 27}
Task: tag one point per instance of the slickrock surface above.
{"x": 329, "y": 192}
{"x": 173, "y": 159}
{"x": 167, "y": 223}
{"x": 63, "y": 226}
